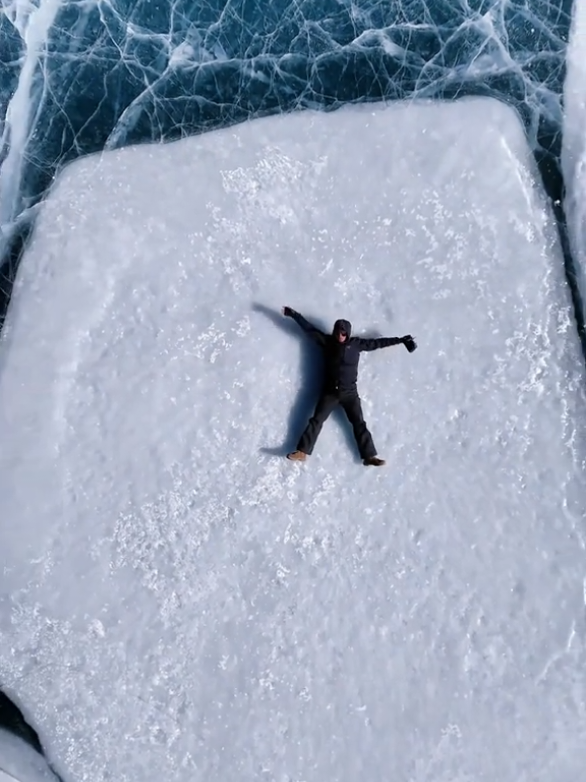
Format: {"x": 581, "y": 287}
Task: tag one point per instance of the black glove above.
{"x": 288, "y": 312}
{"x": 409, "y": 343}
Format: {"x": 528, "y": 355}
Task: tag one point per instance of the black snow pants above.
{"x": 350, "y": 402}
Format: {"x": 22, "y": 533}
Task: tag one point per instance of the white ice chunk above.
{"x": 179, "y": 603}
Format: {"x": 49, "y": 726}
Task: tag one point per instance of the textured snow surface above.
{"x": 179, "y": 601}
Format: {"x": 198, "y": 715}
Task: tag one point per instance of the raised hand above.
{"x": 409, "y": 343}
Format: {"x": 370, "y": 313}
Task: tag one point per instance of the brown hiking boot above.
{"x": 373, "y": 461}
{"x": 297, "y": 456}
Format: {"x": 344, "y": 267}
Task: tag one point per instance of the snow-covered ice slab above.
{"x": 181, "y": 603}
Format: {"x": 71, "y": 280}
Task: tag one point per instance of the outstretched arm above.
{"x": 313, "y": 332}
{"x": 387, "y": 342}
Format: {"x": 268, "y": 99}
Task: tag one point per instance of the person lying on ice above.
{"x": 341, "y": 355}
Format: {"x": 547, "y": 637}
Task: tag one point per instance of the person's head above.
{"x": 342, "y": 330}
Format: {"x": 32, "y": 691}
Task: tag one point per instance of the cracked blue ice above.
{"x": 104, "y": 75}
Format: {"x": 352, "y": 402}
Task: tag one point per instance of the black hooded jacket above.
{"x": 341, "y": 358}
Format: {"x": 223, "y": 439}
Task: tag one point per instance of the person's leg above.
{"x": 353, "y": 409}
{"x": 325, "y": 405}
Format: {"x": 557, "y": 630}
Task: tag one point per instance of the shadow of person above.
{"x": 13, "y": 720}
{"x": 311, "y": 383}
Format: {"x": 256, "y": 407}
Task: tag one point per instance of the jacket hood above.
{"x": 343, "y": 325}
